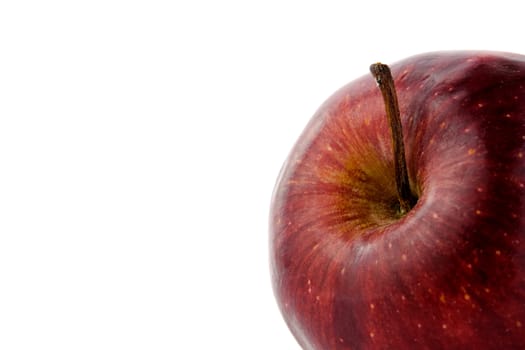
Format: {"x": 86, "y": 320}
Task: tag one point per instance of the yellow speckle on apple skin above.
{"x": 442, "y": 298}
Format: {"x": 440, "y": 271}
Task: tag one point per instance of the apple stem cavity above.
{"x": 385, "y": 82}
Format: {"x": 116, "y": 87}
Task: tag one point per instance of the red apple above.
{"x": 350, "y": 270}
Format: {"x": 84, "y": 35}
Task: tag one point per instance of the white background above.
{"x": 140, "y": 142}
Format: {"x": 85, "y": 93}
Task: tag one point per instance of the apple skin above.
{"x": 348, "y": 272}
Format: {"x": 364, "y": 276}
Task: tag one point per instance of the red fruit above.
{"x": 349, "y": 271}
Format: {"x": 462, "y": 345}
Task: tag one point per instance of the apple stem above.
{"x": 385, "y": 82}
